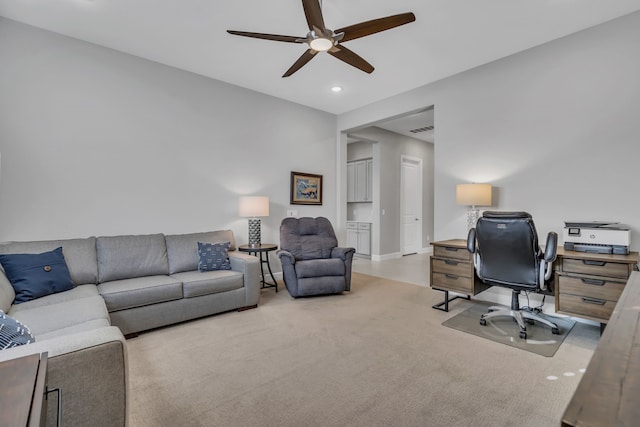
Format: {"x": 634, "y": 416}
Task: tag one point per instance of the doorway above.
{"x": 411, "y": 204}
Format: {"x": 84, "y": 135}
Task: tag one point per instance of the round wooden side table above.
{"x": 259, "y": 250}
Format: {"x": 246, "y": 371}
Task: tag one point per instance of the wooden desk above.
{"x": 608, "y": 392}
{"x": 589, "y": 285}
{"x": 22, "y": 399}
{"x": 452, "y": 270}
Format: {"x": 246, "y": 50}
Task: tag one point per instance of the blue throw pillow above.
{"x": 214, "y": 256}
{"x": 36, "y": 275}
{"x": 13, "y": 333}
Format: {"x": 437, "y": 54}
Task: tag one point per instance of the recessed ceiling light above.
{"x": 336, "y": 89}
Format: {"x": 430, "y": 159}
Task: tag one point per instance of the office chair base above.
{"x": 520, "y": 316}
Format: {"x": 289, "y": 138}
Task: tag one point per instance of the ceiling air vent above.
{"x": 424, "y": 129}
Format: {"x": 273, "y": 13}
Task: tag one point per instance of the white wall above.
{"x": 554, "y": 129}
{"x": 97, "y": 142}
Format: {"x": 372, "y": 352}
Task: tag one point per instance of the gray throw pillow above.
{"x": 13, "y": 333}
{"x": 214, "y": 256}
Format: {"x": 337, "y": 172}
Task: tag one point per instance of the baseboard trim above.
{"x": 386, "y": 256}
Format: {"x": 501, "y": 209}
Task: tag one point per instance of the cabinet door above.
{"x": 364, "y": 242}
{"x": 361, "y": 181}
{"x": 351, "y": 182}
{"x": 352, "y": 239}
{"x": 369, "y": 181}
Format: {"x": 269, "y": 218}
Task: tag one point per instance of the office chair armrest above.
{"x": 286, "y": 257}
{"x": 551, "y": 248}
{"x": 471, "y": 241}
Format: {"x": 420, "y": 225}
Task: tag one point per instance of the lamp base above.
{"x": 254, "y": 232}
{"x": 472, "y": 218}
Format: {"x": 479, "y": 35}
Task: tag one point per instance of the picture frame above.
{"x": 306, "y": 189}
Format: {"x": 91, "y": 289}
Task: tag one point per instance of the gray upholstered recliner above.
{"x": 312, "y": 264}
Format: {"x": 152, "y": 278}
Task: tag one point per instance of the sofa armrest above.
{"x": 249, "y": 266}
{"x": 342, "y": 253}
{"x": 90, "y": 368}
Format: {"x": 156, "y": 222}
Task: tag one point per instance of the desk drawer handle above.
{"x": 594, "y": 282}
{"x": 590, "y": 262}
{"x": 452, "y": 276}
{"x": 451, "y": 249}
{"x": 595, "y": 301}
{"x": 449, "y": 262}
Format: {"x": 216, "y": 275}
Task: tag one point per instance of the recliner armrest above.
{"x": 551, "y": 247}
{"x": 342, "y": 253}
{"x": 471, "y": 241}
{"x": 286, "y": 256}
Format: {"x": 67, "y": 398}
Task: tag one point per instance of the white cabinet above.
{"x": 359, "y": 180}
{"x": 359, "y": 237}
{"x": 351, "y": 182}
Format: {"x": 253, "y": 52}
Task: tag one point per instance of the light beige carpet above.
{"x": 377, "y": 356}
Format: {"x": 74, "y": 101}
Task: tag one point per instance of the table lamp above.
{"x": 254, "y": 207}
{"x": 473, "y": 195}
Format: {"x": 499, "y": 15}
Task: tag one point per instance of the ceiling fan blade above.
{"x": 301, "y": 62}
{"x": 375, "y": 26}
{"x": 313, "y": 12}
{"x": 351, "y": 58}
{"x": 274, "y": 37}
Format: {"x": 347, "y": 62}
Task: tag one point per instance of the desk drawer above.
{"x": 586, "y": 306}
{"x": 452, "y": 282}
{"x": 597, "y": 268}
{"x": 452, "y": 267}
{"x": 451, "y": 252}
{"x": 598, "y": 288}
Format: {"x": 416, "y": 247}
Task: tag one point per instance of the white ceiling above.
{"x": 449, "y": 36}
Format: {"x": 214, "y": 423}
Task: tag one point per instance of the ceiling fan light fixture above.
{"x": 321, "y": 44}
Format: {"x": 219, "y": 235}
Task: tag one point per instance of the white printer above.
{"x": 597, "y": 237}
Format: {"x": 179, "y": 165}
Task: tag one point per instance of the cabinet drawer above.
{"x": 352, "y": 225}
{"x": 364, "y": 226}
{"x": 452, "y": 282}
{"x": 452, "y": 252}
{"x": 599, "y": 288}
{"x": 449, "y": 266}
{"x": 597, "y": 268}
{"x": 586, "y": 306}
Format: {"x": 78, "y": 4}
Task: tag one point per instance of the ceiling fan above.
{"x": 321, "y": 39}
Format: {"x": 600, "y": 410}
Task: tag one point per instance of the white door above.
{"x": 411, "y": 205}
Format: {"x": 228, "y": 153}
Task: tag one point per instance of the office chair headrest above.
{"x": 506, "y": 215}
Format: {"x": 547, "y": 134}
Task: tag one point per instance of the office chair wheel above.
{"x": 523, "y": 335}
{"x": 537, "y": 310}
{"x": 555, "y": 331}
{"x": 530, "y": 321}
{"x": 483, "y": 322}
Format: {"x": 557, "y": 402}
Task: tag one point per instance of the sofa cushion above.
{"x": 195, "y": 283}
{"x": 36, "y": 275}
{"x": 13, "y": 333}
{"x": 80, "y": 255}
{"x": 61, "y": 315}
{"x": 320, "y": 267}
{"x": 125, "y": 257}
{"x": 7, "y": 293}
{"x": 214, "y": 256}
{"x": 79, "y": 292}
{"x": 89, "y": 325}
{"x": 182, "y": 249}
{"x": 130, "y": 293}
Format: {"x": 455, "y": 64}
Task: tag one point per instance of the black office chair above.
{"x": 506, "y": 253}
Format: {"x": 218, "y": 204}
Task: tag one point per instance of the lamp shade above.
{"x": 473, "y": 194}
{"x": 254, "y": 206}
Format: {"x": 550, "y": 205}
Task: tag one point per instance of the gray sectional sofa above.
{"x": 123, "y": 285}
